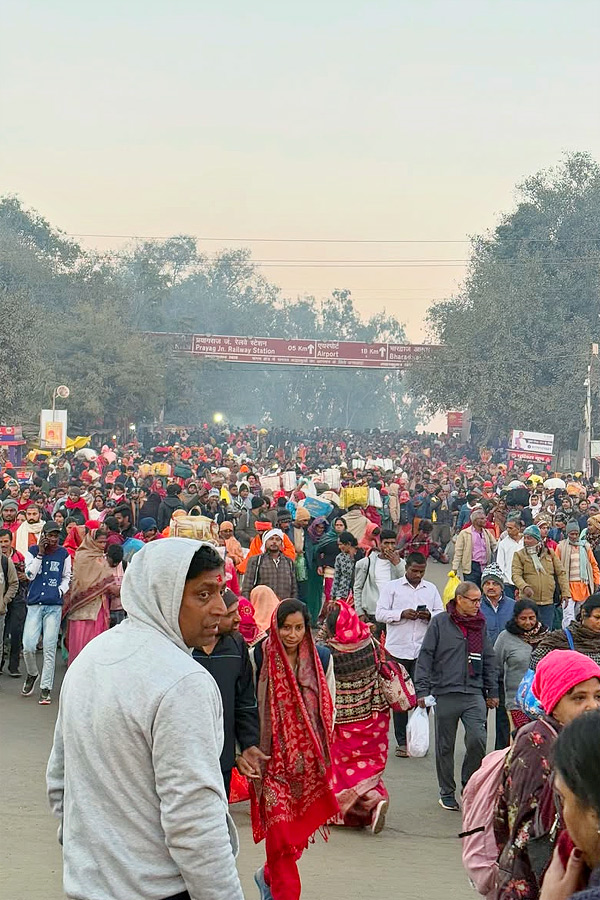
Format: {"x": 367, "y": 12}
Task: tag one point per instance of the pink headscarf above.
{"x": 265, "y": 602}
{"x": 558, "y": 672}
{"x": 349, "y": 629}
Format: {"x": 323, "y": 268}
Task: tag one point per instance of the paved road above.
{"x": 416, "y": 857}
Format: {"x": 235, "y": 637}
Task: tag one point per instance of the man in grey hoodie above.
{"x": 134, "y": 772}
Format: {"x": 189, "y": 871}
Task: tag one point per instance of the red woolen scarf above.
{"x": 473, "y": 628}
{"x": 295, "y": 797}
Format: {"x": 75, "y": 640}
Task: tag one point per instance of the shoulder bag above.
{"x": 394, "y": 681}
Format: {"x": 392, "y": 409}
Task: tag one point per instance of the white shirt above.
{"x": 382, "y": 573}
{"x": 507, "y": 548}
{"x": 405, "y": 636}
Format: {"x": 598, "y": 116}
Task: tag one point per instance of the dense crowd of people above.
{"x": 292, "y": 570}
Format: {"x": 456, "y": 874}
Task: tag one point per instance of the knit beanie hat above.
{"x": 492, "y": 573}
{"x": 558, "y": 672}
{"x": 533, "y": 531}
{"x": 573, "y": 526}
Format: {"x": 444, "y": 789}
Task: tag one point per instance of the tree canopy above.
{"x": 78, "y": 317}
{"x": 517, "y": 337}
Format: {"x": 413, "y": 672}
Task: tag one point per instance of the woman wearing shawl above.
{"x": 360, "y": 746}
{"x": 264, "y": 602}
{"x": 592, "y": 535}
{"x": 513, "y": 649}
{"x": 87, "y": 606}
{"x": 585, "y": 633}
{"x": 567, "y": 685}
{"x": 248, "y": 627}
{"x": 231, "y": 543}
{"x": 293, "y": 797}
{"x": 75, "y": 535}
{"x": 318, "y": 535}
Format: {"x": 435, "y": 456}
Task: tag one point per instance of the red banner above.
{"x": 11, "y": 434}
{"x": 298, "y": 352}
{"x": 455, "y": 421}
{"x": 526, "y": 456}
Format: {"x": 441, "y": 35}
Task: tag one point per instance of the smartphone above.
{"x": 422, "y": 608}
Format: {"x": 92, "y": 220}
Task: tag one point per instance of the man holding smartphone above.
{"x": 48, "y": 569}
{"x": 406, "y": 606}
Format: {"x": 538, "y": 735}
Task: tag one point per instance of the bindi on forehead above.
{"x": 220, "y": 579}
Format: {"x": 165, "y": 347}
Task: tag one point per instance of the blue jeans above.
{"x": 41, "y": 620}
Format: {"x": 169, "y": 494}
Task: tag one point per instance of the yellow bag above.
{"x": 351, "y": 495}
{"x": 450, "y": 589}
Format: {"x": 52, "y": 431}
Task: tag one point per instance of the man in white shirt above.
{"x": 508, "y": 545}
{"x": 373, "y": 573}
{"x": 407, "y": 605}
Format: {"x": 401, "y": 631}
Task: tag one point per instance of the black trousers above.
{"x": 401, "y": 718}
{"x": 183, "y": 896}
{"x": 502, "y": 723}
{"x": 475, "y": 574}
{"x": 14, "y": 623}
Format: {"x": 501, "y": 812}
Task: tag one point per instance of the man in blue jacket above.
{"x": 498, "y": 609}
{"x": 48, "y": 568}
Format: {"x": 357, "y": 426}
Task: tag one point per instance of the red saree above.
{"x": 295, "y": 797}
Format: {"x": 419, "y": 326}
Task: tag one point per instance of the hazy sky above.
{"x": 357, "y": 120}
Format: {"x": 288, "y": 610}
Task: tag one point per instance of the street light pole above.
{"x": 588, "y": 415}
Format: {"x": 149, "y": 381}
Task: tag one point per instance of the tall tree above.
{"x": 517, "y": 336}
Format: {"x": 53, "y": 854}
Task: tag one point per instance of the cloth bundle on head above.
{"x": 492, "y": 573}
{"x": 559, "y": 672}
{"x": 533, "y": 531}
{"x": 273, "y": 532}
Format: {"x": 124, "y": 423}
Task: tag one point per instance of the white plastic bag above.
{"x": 417, "y": 733}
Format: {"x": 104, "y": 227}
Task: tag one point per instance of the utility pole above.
{"x": 587, "y": 459}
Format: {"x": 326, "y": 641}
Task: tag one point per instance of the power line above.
{"x": 263, "y": 240}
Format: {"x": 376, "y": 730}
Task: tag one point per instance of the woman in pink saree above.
{"x": 87, "y": 605}
{"x": 360, "y": 745}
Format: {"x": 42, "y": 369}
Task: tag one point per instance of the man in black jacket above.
{"x": 168, "y": 506}
{"x": 228, "y": 662}
{"x": 457, "y": 665}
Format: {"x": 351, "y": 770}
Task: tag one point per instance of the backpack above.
{"x": 526, "y": 701}
{"x": 480, "y": 851}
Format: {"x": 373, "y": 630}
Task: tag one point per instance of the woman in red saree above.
{"x": 360, "y": 745}
{"x": 293, "y": 798}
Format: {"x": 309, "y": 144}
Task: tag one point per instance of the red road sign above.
{"x": 301, "y": 352}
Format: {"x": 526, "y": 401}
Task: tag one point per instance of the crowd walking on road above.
{"x": 270, "y": 611}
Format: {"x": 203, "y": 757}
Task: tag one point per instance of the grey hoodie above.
{"x": 134, "y": 772}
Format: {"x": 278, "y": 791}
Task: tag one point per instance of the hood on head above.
{"x": 154, "y": 582}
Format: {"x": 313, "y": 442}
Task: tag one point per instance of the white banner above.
{"x": 532, "y": 442}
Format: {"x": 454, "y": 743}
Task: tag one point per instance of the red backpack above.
{"x": 480, "y": 851}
